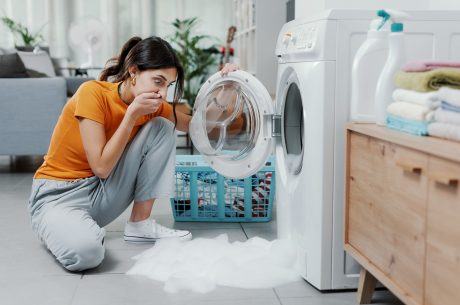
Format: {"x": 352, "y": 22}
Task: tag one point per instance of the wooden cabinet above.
{"x": 443, "y": 234}
{"x": 402, "y": 219}
{"x": 382, "y": 176}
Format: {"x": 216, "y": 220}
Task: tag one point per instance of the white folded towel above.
{"x": 444, "y": 130}
{"x": 445, "y": 116}
{"x": 429, "y": 99}
{"x": 411, "y": 111}
{"x": 449, "y": 95}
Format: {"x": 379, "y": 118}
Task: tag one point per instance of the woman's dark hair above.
{"x": 145, "y": 54}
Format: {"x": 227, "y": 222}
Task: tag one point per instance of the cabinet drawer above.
{"x": 442, "y": 284}
{"x": 387, "y": 209}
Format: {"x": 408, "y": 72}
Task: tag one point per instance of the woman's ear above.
{"x": 133, "y": 70}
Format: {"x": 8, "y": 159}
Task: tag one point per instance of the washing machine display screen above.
{"x": 231, "y": 120}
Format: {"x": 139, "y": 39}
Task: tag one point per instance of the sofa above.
{"x": 29, "y": 110}
{"x": 32, "y": 95}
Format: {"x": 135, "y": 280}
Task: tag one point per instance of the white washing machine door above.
{"x": 232, "y": 124}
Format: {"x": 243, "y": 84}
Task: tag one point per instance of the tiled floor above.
{"x": 30, "y": 275}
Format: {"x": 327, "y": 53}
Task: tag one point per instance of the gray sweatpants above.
{"x": 68, "y": 216}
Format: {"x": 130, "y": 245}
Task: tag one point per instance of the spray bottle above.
{"x": 367, "y": 66}
{"x": 396, "y": 59}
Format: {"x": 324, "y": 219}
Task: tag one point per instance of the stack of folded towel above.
{"x": 446, "y": 119}
{"x": 417, "y": 98}
{"x": 411, "y": 111}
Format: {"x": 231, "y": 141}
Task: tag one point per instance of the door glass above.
{"x": 231, "y": 121}
{"x": 293, "y": 128}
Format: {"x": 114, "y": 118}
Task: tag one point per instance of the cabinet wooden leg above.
{"x": 366, "y": 287}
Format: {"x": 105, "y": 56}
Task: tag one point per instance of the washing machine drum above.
{"x": 232, "y": 124}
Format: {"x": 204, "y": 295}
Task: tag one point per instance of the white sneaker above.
{"x": 149, "y": 231}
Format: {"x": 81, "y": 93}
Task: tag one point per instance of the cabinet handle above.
{"x": 444, "y": 179}
{"x": 408, "y": 167}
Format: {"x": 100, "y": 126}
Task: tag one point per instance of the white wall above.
{"x": 31, "y": 13}
{"x": 304, "y": 8}
{"x": 445, "y": 4}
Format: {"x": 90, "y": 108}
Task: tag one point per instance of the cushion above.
{"x": 39, "y": 61}
{"x": 34, "y": 74}
{"x": 12, "y": 66}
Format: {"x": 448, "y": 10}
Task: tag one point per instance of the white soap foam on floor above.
{"x": 201, "y": 264}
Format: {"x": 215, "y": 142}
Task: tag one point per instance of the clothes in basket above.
{"x": 234, "y": 194}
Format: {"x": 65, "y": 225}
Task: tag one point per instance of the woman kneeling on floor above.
{"x": 113, "y": 143}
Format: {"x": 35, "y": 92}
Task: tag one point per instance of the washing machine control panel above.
{"x": 302, "y": 38}
{"x": 307, "y": 38}
{"x": 307, "y": 42}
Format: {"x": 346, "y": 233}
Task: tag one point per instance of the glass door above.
{"x": 232, "y": 124}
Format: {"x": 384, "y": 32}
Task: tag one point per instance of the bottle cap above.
{"x": 397, "y": 27}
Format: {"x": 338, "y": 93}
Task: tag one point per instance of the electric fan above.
{"x": 85, "y": 35}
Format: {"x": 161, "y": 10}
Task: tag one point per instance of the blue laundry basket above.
{"x": 204, "y": 195}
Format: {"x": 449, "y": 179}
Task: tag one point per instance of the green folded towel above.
{"x": 429, "y": 80}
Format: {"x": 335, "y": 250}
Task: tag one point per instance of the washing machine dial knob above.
{"x": 289, "y": 36}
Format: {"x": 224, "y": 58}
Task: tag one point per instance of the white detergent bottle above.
{"x": 396, "y": 59}
{"x": 367, "y": 66}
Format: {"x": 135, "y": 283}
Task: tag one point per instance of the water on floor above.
{"x": 30, "y": 275}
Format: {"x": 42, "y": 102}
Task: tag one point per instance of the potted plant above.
{"x": 29, "y": 39}
{"x": 196, "y": 59}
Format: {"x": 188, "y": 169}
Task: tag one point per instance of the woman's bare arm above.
{"x": 183, "y": 120}
{"x": 103, "y": 155}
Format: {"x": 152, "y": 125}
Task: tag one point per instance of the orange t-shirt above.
{"x": 97, "y": 101}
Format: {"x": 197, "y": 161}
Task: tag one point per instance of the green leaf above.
{"x": 22, "y": 31}
{"x": 191, "y": 51}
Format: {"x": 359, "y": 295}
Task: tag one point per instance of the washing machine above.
{"x": 236, "y": 126}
